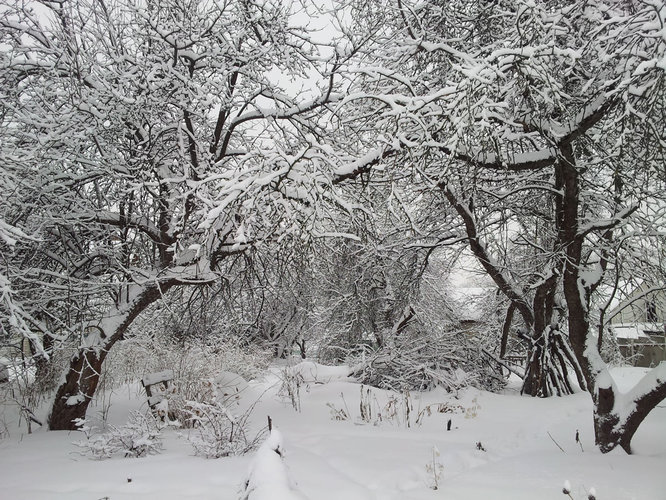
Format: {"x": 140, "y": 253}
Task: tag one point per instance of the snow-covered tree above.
{"x": 149, "y": 143}
{"x": 537, "y": 127}
{"x": 15, "y": 320}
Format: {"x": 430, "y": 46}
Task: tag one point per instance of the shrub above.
{"x": 216, "y": 432}
{"x": 139, "y": 437}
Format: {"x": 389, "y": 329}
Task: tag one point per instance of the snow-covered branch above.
{"x": 610, "y": 223}
{"x": 139, "y": 222}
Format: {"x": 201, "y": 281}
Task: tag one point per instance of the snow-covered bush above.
{"x": 223, "y": 390}
{"x": 428, "y": 347}
{"x": 139, "y": 437}
{"x": 196, "y": 370}
{"x": 26, "y": 388}
{"x": 419, "y": 362}
{"x": 216, "y": 432}
{"x": 190, "y": 362}
{"x": 170, "y": 336}
{"x": 268, "y": 477}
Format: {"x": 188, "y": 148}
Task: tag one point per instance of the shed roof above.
{"x": 636, "y": 331}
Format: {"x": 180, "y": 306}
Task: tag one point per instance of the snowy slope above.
{"x": 353, "y": 460}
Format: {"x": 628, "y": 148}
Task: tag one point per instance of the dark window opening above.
{"x": 651, "y": 311}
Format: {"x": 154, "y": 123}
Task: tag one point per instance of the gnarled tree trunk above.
{"x": 617, "y": 416}
{"x": 78, "y": 389}
{"x": 75, "y": 393}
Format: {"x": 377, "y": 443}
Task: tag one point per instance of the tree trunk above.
{"x": 547, "y": 368}
{"x": 607, "y": 433}
{"x": 547, "y": 372}
{"x": 617, "y": 416}
{"x": 77, "y": 391}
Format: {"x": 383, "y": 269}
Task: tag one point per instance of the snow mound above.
{"x": 316, "y": 373}
{"x": 229, "y": 384}
{"x": 268, "y": 476}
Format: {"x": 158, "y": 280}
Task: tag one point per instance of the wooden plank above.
{"x": 156, "y": 378}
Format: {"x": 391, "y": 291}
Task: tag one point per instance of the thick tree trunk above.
{"x": 617, "y": 416}
{"x": 607, "y": 433}
{"x": 77, "y": 391}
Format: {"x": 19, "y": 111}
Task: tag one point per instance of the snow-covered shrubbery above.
{"x": 159, "y": 341}
{"x": 190, "y": 362}
{"x": 201, "y": 396}
{"x": 27, "y": 387}
{"x": 139, "y": 437}
{"x": 216, "y": 432}
{"x": 209, "y": 422}
{"x": 197, "y": 371}
{"x": 268, "y": 476}
{"x": 421, "y": 361}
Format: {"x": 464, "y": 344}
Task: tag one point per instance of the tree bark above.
{"x": 618, "y": 416}
{"x": 76, "y": 392}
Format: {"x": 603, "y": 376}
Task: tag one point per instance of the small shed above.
{"x": 639, "y": 325}
{"x": 642, "y": 344}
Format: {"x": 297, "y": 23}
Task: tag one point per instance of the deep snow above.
{"x": 332, "y": 459}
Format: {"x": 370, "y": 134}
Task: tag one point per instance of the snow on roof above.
{"x": 633, "y": 293}
{"x": 635, "y": 331}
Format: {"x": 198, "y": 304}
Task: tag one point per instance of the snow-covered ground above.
{"x": 500, "y": 447}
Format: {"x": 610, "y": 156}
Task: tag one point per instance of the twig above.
{"x": 551, "y": 437}
{"x": 345, "y": 403}
{"x": 27, "y": 412}
{"x": 579, "y": 441}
